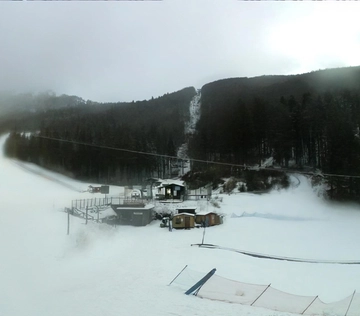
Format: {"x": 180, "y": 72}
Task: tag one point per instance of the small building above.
{"x": 169, "y": 189}
{"x": 200, "y": 193}
{"x": 134, "y": 214}
{"x": 208, "y": 219}
{"x": 183, "y": 220}
{"x": 186, "y": 209}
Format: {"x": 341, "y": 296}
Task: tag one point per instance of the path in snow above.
{"x": 190, "y": 127}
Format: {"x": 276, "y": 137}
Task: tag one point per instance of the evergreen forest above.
{"x": 308, "y": 122}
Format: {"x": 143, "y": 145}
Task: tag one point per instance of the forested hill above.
{"x": 154, "y": 126}
{"x": 311, "y": 118}
{"x": 308, "y": 121}
{"x": 273, "y": 87}
{"x": 304, "y": 121}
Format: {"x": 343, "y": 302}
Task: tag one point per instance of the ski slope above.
{"x": 102, "y": 270}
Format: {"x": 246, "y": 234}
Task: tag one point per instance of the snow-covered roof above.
{"x": 137, "y": 208}
{"x": 185, "y": 207}
{"x": 107, "y": 213}
{"x": 165, "y": 182}
{"x": 188, "y": 214}
{"x": 206, "y": 213}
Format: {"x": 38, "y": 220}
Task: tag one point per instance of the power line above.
{"x": 197, "y": 160}
{"x": 140, "y": 152}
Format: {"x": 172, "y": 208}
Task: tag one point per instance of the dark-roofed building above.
{"x": 169, "y": 189}
{"x": 186, "y": 209}
{"x": 134, "y": 214}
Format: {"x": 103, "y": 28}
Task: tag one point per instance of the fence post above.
{"x": 86, "y": 215}
{"x": 177, "y": 275}
{"x": 202, "y": 242}
{"x": 260, "y": 295}
{"x": 350, "y": 303}
{"x": 68, "y": 223}
{"x": 309, "y": 305}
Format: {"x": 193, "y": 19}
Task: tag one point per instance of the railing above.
{"x": 109, "y": 200}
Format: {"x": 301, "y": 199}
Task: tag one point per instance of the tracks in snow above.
{"x": 44, "y": 175}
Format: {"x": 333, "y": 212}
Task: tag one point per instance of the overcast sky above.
{"x": 135, "y": 50}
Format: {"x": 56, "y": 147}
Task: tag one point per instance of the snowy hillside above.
{"x": 194, "y": 110}
{"x": 103, "y": 270}
{"x": 190, "y": 127}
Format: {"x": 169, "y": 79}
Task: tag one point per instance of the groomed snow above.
{"x": 102, "y": 270}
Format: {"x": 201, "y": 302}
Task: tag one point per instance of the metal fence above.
{"x": 103, "y": 201}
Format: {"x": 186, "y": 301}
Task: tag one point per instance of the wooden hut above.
{"x": 183, "y": 220}
{"x": 208, "y": 218}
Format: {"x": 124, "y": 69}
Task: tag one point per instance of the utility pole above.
{"x": 68, "y": 222}
{"x": 202, "y": 242}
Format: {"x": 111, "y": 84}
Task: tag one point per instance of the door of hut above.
{"x": 137, "y": 218}
{"x": 187, "y": 221}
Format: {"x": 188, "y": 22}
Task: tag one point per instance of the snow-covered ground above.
{"x": 102, "y": 270}
{"x": 194, "y": 110}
